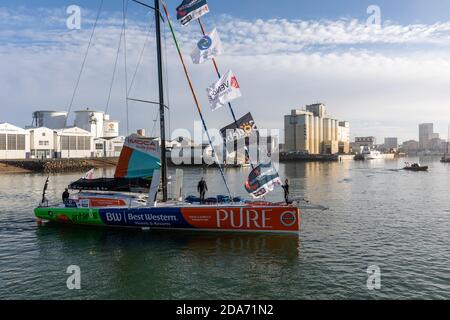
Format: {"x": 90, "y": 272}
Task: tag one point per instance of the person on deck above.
{"x": 286, "y": 190}
{"x": 202, "y": 188}
{"x": 65, "y": 195}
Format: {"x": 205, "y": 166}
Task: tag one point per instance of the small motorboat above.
{"x": 415, "y": 167}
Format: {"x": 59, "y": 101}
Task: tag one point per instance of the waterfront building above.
{"x": 108, "y": 147}
{"x": 390, "y": 143}
{"x": 311, "y": 130}
{"x": 74, "y": 142}
{"x": 366, "y": 142}
{"x": 99, "y": 135}
{"x": 42, "y": 142}
{"x": 410, "y": 145}
{"x": 49, "y": 119}
{"x": 437, "y": 144}
{"x": 14, "y": 142}
{"x": 97, "y": 122}
{"x": 425, "y": 135}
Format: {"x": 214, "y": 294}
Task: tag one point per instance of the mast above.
{"x": 161, "y": 102}
{"x": 448, "y": 140}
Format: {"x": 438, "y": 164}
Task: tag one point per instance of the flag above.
{"x": 223, "y": 91}
{"x": 207, "y": 48}
{"x": 89, "y": 175}
{"x": 242, "y": 128}
{"x": 262, "y": 180}
{"x": 190, "y": 10}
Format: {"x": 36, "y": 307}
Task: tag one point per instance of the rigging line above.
{"x": 114, "y": 72}
{"x": 167, "y": 77}
{"x": 216, "y": 67}
{"x": 140, "y": 59}
{"x": 195, "y": 96}
{"x": 84, "y": 62}
{"x": 125, "y": 10}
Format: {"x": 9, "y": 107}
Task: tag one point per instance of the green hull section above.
{"x": 70, "y": 215}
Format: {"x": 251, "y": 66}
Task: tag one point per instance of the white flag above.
{"x": 224, "y": 91}
{"x": 89, "y": 175}
{"x": 207, "y": 48}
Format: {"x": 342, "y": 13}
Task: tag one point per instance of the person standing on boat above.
{"x": 65, "y": 195}
{"x": 285, "y": 187}
{"x": 202, "y": 188}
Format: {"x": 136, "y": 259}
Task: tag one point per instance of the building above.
{"x": 49, "y": 119}
{"x": 425, "y": 135}
{"x": 42, "y": 143}
{"x": 312, "y": 131}
{"x": 410, "y": 145}
{"x": 74, "y": 143}
{"x": 108, "y": 147}
{"x": 14, "y": 142}
{"x": 366, "y": 142}
{"x": 390, "y": 143}
{"x": 437, "y": 144}
{"x": 96, "y": 122}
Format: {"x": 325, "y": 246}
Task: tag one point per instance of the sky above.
{"x": 384, "y": 78}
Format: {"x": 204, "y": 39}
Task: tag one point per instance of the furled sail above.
{"x": 140, "y": 156}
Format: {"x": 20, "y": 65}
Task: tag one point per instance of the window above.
{"x": 64, "y": 143}
{"x": 73, "y": 143}
{"x": 44, "y": 143}
{"x": 87, "y": 143}
{"x": 21, "y": 142}
{"x": 117, "y": 149}
{"x": 43, "y": 134}
{"x": 12, "y": 142}
{"x": 80, "y": 143}
{"x": 99, "y": 146}
{"x": 2, "y": 141}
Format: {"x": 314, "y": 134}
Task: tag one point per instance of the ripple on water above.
{"x": 377, "y": 216}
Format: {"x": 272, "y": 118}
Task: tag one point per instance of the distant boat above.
{"x": 370, "y": 154}
{"x": 446, "y": 157}
{"x": 415, "y": 167}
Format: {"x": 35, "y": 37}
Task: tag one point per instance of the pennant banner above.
{"x": 207, "y": 48}
{"x": 262, "y": 180}
{"x": 190, "y": 10}
{"x": 223, "y": 91}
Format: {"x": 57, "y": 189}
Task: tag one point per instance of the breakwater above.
{"x": 55, "y": 165}
{"x": 294, "y": 156}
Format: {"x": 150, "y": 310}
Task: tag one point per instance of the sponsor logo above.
{"x": 205, "y": 43}
{"x": 143, "y": 144}
{"x": 242, "y": 219}
{"x": 288, "y": 218}
{"x": 234, "y": 82}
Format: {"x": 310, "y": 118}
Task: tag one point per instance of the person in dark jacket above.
{"x": 202, "y": 188}
{"x": 65, "y": 195}
{"x": 286, "y": 190}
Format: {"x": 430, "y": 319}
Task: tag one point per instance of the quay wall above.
{"x": 55, "y": 165}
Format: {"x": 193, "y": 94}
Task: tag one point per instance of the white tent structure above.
{"x": 14, "y": 142}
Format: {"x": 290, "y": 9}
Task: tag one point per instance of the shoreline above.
{"x": 54, "y": 165}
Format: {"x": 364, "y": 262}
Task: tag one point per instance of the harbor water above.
{"x": 377, "y": 215}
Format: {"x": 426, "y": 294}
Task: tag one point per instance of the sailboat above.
{"x": 446, "y": 157}
{"x": 120, "y": 201}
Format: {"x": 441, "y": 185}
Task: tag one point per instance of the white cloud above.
{"x": 384, "y": 81}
